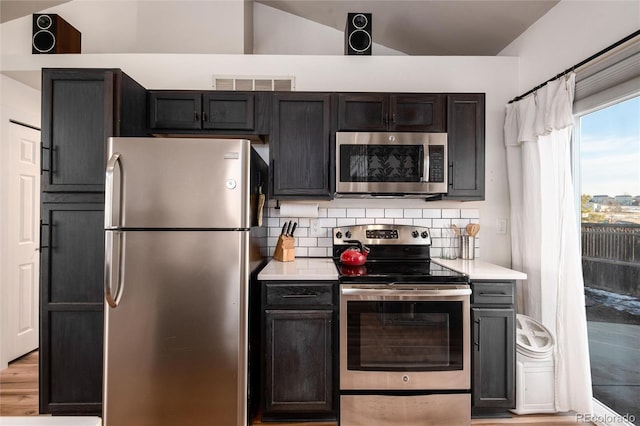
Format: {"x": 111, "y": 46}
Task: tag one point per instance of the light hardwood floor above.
{"x": 19, "y": 397}
{"x": 19, "y": 387}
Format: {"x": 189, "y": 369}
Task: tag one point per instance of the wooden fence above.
{"x": 611, "y": 257}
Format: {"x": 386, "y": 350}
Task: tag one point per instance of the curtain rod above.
{"x": 579, "y": 64}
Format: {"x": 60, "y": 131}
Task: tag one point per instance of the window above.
{"x": 608, "y": 142}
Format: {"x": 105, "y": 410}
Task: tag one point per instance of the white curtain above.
{"x": 545, "y": 232}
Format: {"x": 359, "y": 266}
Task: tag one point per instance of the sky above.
{"x": 610, "y": 150}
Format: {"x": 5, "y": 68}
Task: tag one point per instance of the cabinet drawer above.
{"x": 501, "y": 293}
{"x": 299, "y": 294}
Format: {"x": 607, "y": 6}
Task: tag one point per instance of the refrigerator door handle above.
{"x": 114, "y": 267}
{"x": 113, "y": 193}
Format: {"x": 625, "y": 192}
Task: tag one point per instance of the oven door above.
{"x": 391, "y": 163}
{"x": 404, "y": 337}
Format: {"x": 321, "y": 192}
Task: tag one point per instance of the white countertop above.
{"x": 302, "y": 268}
{"x": 311, "y": 268}
{"x": 479, "y": 270}
{"x": 50, "y": 421}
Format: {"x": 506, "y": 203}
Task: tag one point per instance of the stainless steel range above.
{"x": 404, "y": 331}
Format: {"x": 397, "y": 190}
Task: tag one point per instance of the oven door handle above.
{"x": 421, "y": 292}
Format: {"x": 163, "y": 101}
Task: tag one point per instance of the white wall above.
{"x": 281, "y": 33}
{"x": 139, "y": 26}
{"x": 20, "y": 103}
{"x": 569, "y": 33}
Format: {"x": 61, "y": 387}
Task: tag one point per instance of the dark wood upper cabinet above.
{"x": 300, "y": 146}
{"x": 466, "y": 140}
{"x": 228, "y": 111}
{"x": 209, "y": 112}
{"x": 175, "y": 110}
{"x": 81, "y": 108}
{"x": 391, "y": 112}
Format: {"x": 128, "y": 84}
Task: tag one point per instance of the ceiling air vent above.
{"x": 250, "y": 83}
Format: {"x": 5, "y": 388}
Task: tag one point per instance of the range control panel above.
{"x": 383, "y": 234}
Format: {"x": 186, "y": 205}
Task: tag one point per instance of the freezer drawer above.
{"x": 175, "y": 336}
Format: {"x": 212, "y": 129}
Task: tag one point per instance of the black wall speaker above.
{"x": 357, "y": 34}
{"x": 52, "y": 34}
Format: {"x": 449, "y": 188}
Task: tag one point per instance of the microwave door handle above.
{"x": 425, "y": 165}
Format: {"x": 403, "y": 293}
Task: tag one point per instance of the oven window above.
{"x": 404, "y": 336}
{"x": 381, "y": 163}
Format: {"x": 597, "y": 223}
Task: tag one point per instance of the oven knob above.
{"x": 424, "y": 234}
{"x": 405, "y": 378}
{"x": 338, "y": 235}
{"x": 348, "y": 234}
{"x": 415, "y": 234}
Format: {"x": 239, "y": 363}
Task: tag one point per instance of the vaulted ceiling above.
{"x": 414, "y": 27}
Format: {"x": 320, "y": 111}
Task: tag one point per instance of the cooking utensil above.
{"x": 288, "y": 229}
{"x": 293, "y": 229}
{"x": 473, "y": 229}
{"x": 355, "y": 256}
{"x": 284, "y": 229}
{"x": 456, "y": 229}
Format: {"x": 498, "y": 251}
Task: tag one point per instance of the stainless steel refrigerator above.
{"x": 182, "y": 237}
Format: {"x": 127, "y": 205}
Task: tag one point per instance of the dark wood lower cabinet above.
{"x": 298, "y": 359}
{"x": 71, "y": 315}
{"x": 299, "y": 352}
{"x": 493, "y": 348}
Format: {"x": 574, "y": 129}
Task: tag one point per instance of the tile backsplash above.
{"x": 313, "y": 235}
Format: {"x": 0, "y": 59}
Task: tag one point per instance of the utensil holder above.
{"x": 285, "y": 249}
{"x": 467, "y": 247}
{"x": 450, "y": 251}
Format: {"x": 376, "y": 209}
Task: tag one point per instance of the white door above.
{"x": 21, "y": 262}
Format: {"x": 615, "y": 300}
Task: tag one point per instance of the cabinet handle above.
{"x": 451, "y": 174}
{"x": 42, "y": 149}
{"x": 42, "y": 225}
{"x": 204, "y": 116}
{"x": 195, "y": 116}
{"x": 299, "y": 296}
{"x": 502, "y": 293}
{"x": 385, "y": 120}
{"x": 393, "y": 118}
{"x": 477, "y": 340}
{"x": 51, "y": 153}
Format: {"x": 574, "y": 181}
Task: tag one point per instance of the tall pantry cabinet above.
{"x": 81, "y": 108}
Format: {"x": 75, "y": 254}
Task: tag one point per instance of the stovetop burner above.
{"x": 414, "y": 272}
{"x": 399, "y": 253}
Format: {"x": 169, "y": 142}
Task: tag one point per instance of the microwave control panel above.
{"x": 436, "y": 163}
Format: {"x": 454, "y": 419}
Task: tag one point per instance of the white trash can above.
{"x": 535, "y": 391}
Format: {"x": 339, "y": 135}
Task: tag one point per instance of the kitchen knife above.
{"x": 294, "y": 228}
{"x": 284, "y": 228}
{"x": 288, "y": 229}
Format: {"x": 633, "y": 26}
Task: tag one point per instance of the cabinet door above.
{"x": 71, "y": 308}
{"x": 225, "y": 110}
{"x": 298, "y": 363}
{"x": 417, "y": 113}
{"x": 300, "y": 146}
{"x": 465, "y": 129}
{"x": 175, "y": 110}
{"x": 77, "y": 118}
{"x": 493, "y": 357}
{"x": 363, "y": 111}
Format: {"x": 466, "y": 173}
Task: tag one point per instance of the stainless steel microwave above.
{"x": 390, "y": 164}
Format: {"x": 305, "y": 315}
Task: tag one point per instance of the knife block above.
{"x": 285, "y": 250}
